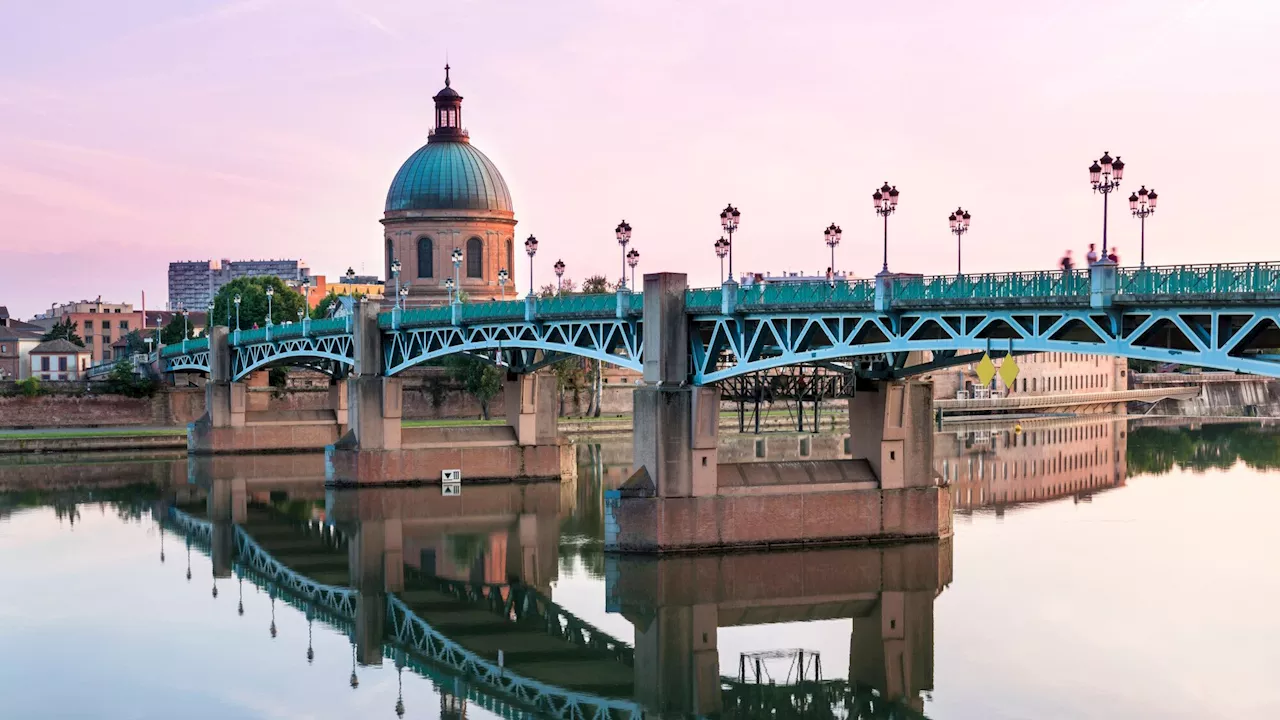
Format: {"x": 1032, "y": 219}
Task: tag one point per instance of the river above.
{"x": 1100, "y": 568}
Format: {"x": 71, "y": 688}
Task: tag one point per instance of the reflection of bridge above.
{"x": 459, "y": 591}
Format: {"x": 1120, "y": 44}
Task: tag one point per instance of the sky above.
{"x": 139, "y": 132}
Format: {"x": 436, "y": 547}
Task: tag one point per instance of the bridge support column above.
{"x": 530, "y": 402}
{"x": 891, "y": 426}
{"x": 891, "y": 648}
{"x": 228, "y": 506}
{"x": 677, "y": 660}
{"x": 224, "y": 401}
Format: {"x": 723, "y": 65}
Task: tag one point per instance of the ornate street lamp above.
{"x": 457, "y": 280}
{"x": 531, "y": 249}
{"x": 959, "y": 226}
{"x": 722, "y": 249}
{"x": 633, "y": 259}
{"x": 502, "y": 281}
{"x": 559, "y": 268}
{"x": 832, "y": 237}
{"x": 729, "y": 218}
{"x": 395, "y": 273}
{"x": 623, "y": 233}
{"x": 237, "y": 301}
{"x": 448, "y": 287}
{"x": 1143, "y": 204}
{"x": 184, "y": 325}
{"x": 1105, "y": 175}
{"x": 271, "y": 292}
{"x": 886, "y": 202}
{"x": 351, "y": 274}
{"x": 404, "y": 297}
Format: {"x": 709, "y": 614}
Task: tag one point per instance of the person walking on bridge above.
{"x": 1067, "y": 263}
{"x": 1092, "y": 257}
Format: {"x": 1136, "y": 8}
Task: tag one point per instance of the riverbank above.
{"x": 100, "y": 439}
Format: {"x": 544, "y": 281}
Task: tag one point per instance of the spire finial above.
{"x": 446, "y": 73}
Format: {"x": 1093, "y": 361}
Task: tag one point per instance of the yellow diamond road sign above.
{"x": 1009, "y": 371}
{"x": 986, "y": 370}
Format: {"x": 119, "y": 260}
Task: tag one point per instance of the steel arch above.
{"x": 192, "y": 362}
{"x": 724, "y": 346}
{"x": 612, "y": 340}
{"x": 338, "y": 349}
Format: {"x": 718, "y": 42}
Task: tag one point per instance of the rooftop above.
{"x": 58, "y": 347}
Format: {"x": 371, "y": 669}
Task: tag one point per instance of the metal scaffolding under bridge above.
{"x": 755, "y": 393}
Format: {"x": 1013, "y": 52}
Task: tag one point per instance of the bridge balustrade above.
{"x": 182, "y": 348}
{"x": 1045, "y": 284}
{"x": 1248, "y": 278}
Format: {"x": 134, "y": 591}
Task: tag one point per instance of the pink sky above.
{"x": 139, "y": 132}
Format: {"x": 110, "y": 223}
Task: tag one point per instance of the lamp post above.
{"x": 351, "y": 275}
{"x": 531, "y": 249}
{"x": 1105, "y": 175}
{"x": 237, "y": 301}
{"x": 633, "y": 259}
{"x": 448, "y": 287}
{"x": 457, "y": 280}
{"x": 1143, "y": 204}
{"x": 184, "y": 325}
{"x": 271, "y": 292}
{"x": 404, "y": 297}
{"x": 959, "y": 226}
{"x": 722, "y": 249}
{"x": 208, "y": 319}
{"x": 395, "y": 274}
{"x": 559, "y": 268}
{"x": 729, "y": 223}
{"x": 623, "y": 233}
{"x": 306, "y": 294}
{"x": 832, "y": 237}
{"x": 886, "y": 202}
{"x": 502, "y": 281}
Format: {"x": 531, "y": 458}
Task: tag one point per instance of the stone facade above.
{"x": 411, "y": 231}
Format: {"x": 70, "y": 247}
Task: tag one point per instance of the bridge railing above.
{"x": 182, "y": 348}
{"x": 1199, "y": 279}
{"x": 1035, "y": 284}
{"x": 566, "y": 305}
{"x": 775, "y": 294}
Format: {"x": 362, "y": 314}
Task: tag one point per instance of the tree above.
{"x": 134, "y": 343}
{"x": 171, "y": 334}
{"x": 549, "y": 290}
{"x": 123, "y": 380}
{"x": 63, "y": 330}
{"x": 322, "y": 308}
{"x": 253, "y": 302}
{"x": 478, "y": 377}
{"x": 597, "y": 284}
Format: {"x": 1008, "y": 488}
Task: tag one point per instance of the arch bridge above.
{"x": 1214, "y": 316}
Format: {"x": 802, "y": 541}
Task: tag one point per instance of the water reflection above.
{"x": 502, "y": 603}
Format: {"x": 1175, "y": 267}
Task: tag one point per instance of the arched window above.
{"x": 511, "y": 258}
{"x": 475, "y": 258}
{"x": 426, "y": 258}
{"x": 391, "y": 255}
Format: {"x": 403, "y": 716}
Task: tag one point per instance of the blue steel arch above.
{"x": 611, "y": 340}
{"x": 727, "y": 346}
{"x": 304, "y": 351}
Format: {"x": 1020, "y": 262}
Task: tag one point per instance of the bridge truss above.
{"x": 332, "y": 355}
{"x": 1232, "y": 338}
{"x": 613, "y": 340}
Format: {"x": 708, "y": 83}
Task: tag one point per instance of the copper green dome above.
{"x": 448, "y": 176}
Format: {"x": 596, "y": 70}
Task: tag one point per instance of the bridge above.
{"x": 452, "y": 630}
{"x": 886, "y": 330}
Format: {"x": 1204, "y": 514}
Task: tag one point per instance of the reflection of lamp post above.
{"x": 1143, "y": 204}
{"x": 240, "y": 605}
{"x": 502, "y": 281}
{"x": 161, "y": 544}
{"x": 355, "y": 681}
{"x": 633, "y": 259}
{"x": 272, "y": 593}
{"x": 559, "y": 268}
{"x": 886, "y": 201}
{"x": 832, "y": 237}
{"x": 1105, "y": 175}
{"x": 531, "y": 249}
{"x": 311, "y": 653}
{"x": 959, "y": 226}
{"x": 722, "y": 249}
{"x": 729, "y": 223}
{"x": 271, "y": 292}
{"x": 623, "y": 233}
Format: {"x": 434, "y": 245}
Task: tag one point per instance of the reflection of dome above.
{"x": 448, "y": 174}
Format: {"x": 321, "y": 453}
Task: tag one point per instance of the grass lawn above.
{"x": 55, "y": 434}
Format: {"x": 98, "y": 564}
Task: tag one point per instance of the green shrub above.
{"x": 30, "y": 387}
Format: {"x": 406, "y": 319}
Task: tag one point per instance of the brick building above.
{"x": 59, "y": 360}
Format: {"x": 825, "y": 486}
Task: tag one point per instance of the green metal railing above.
{"x": 1199, "y": 279}
{"x": 493, "y": 311}
{"x": 190, "y": 346}
{"x": 578, "y": 305}
{"x": 329, "y": 326}
{"x": 249, "y": 337}
{"x": 1036, "y": 284}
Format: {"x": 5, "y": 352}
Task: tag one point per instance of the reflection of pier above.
{"x": 997, "y": 465}
{"x": 677, "y": 604}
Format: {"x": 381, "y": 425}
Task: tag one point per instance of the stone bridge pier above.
{"x": 680, "y": 497}
{"x": 377, "y": 449}
{"x": 230, "y": 426}
{"x": 679, "y": 604}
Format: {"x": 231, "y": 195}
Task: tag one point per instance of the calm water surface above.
{"x": 1098, "y": 570}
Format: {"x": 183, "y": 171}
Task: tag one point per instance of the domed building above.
{"x": 448, "y": 195}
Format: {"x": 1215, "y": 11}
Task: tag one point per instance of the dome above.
{"x": 448, "y": 176}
